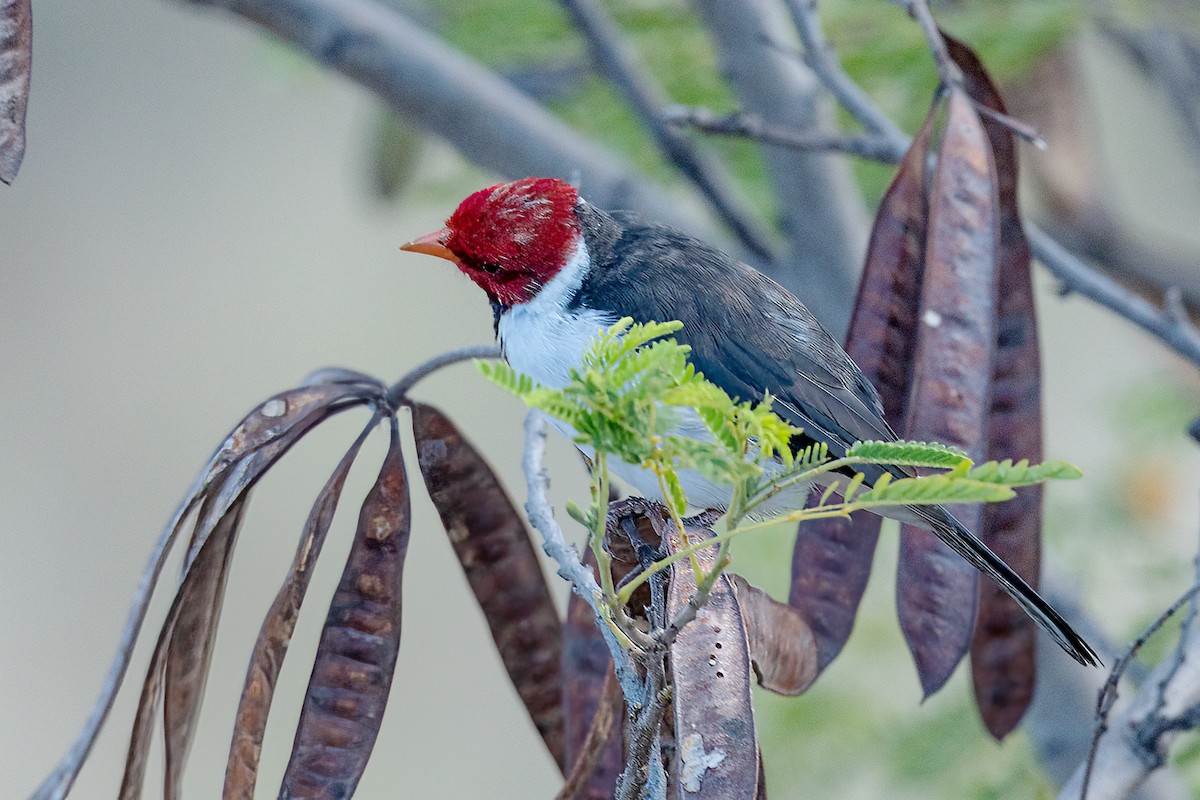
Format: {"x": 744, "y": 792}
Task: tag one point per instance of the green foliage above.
{"x": 948, "y": 487}
{"x": 910, "y": 454}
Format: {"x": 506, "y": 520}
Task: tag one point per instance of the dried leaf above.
{"x": 241, "y": 771}
{"x": 717, "y": 755}
{"x": 585, "y": 667}
{"x": 216, "y": 528}
{"x": 352, "y": 675}
{"x": 16, "y": 54}
{"x": 494, "y": 548}
{"x": 1003, "y": 651}
{"x": 782, "y": 648}
{"x": 832, "y": 558}
{"x": 951, "y": 400}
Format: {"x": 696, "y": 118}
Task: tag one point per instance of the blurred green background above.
{"x": 197, "y": 225}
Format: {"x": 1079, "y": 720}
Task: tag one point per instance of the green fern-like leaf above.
{"x": 1022, "y": 473}
{"x": 933, "y": 490}
{"x": 910, "y": 454}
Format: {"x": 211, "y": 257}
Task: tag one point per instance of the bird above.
{"x": 557, "y": 270}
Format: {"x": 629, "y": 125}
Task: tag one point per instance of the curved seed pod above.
{"x": 16, "y": 56}
{"x": 832, "y": 558}
{"x": 717, "y": 748}
{"x": 241, "y": 771}
{"x": 352, "y": 674}
{"x": 189, "y": 653}
{"x": 937, "y": 590}
{"x": 493, "y": 546}
{"x": 586, "y": 666}
{"x": 253, "y": 445}
{"x": 782, "y": 648}
{"x": 1003, "y": 651}
{"x": 217, "y": 527}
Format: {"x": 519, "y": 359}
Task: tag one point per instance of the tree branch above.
{"x": 618, "y": 62}
{"x": 446, "y": 93}
{"x": 819, "y": 206}
{"x": 1139, "y": 737}
{"x": 869, "y": 146}
{"x": 820, "y": 57}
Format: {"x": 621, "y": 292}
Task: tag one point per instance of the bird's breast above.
{"x": 547, "y": 343}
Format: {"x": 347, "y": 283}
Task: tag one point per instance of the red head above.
{"x": 511, "y": 239}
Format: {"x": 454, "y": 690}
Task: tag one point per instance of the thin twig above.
{"x": 824, "y": 62}
{"x": 948, "y": 71}
{"x": 1108, "y": 694}
{"x": 869, "y": 146}
{"x": 618, "y": 62}
{"x": 1172, "y": 329}
{"x": 396, "y": 393}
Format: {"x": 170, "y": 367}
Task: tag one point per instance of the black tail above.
{"x": 963, "y": 542}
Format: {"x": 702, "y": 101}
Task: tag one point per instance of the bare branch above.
{"x": 446, "y": 93}
{"x": 822, "y": 60}
{"x": 1171, "y": 329}
{"x": 869, "y": 146}
{"x": 819, "y": 206}
{"x": 16, "y": 51}
{"x": 1140, "y": 736}
{"x": 616, "y": 59}
{"x": 570, "y": 566}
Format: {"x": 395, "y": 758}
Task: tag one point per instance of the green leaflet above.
{"x": 1023, "y": 473}
{"x": 910, "y": 454}
{"x": 934, "y": 490}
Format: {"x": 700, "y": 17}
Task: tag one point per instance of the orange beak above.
{"x": 432, "y": 244}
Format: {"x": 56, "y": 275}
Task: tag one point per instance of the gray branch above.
{"x": 1134, "y": 743}
{"x": 819, "y": 206}
{"x": 869, "y": 146}
{"x": 616, "y": 59}
{"x": 446, "y": 93}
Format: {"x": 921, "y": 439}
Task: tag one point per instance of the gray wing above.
{"x": 748, "y": 334}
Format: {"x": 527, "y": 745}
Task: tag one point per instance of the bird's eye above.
{"x": 490, "y": 269}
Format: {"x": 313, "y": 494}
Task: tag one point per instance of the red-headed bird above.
{"x": 557, "y": 270}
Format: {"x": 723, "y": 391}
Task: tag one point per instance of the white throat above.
{"x": 545, "y": 339}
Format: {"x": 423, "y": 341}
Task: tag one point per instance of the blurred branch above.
{"x": 617, "y": 61}
{"x": 446, "y": 93}
{"x": 819, "y": 206}
{"x": 1171, "y": 58}
{"x": 16, "y": 53}
{"x": 1169, "y": 323}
